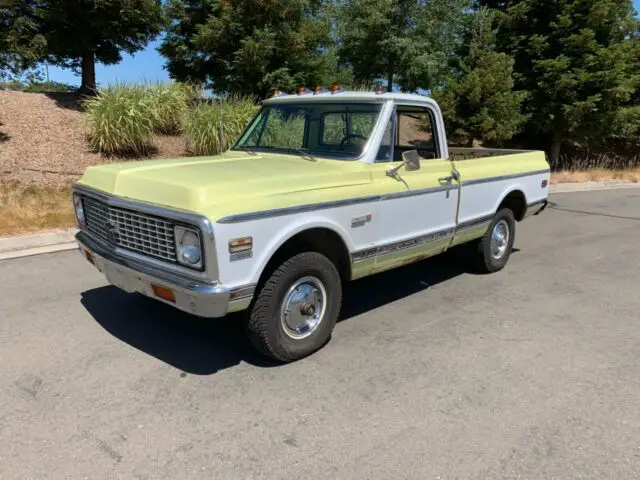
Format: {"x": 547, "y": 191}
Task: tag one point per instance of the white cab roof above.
{"x": 347, "y": 96}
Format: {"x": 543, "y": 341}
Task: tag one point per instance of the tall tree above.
{"x": 576, "y": 58}
{"x": 21, "y": 45}
{"x": 404, "y": 41}
{"x": 77, "y": 33}
{"x": 478, "y": 101}
{"x": 237, "y": 46}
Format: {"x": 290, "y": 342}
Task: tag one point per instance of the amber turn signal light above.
{"x": 164, "y": 293}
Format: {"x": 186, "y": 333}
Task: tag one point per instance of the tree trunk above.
{"x": 88, "y": 73}
{"x": 556, "y": 144}
{"x": 390, "y": 75}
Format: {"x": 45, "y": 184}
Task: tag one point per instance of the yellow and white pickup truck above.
{"x": 321, "y": 188}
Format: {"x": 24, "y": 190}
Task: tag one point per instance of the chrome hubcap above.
{"x": 303, "y": 307}
{"x": 499, "y": 239}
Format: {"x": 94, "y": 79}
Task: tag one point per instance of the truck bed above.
{"x": 460, "y": 153}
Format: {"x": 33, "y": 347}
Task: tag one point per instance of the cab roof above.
{"x": 351, "y": 96}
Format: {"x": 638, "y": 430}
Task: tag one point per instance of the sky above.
{"x": 146, "y": 65}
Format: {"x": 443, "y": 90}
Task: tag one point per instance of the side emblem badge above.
{"x": 360, "y": 221}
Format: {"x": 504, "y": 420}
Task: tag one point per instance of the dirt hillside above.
{"x": 42, "y": 139}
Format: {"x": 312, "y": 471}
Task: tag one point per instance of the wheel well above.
{"x": 321, "y": 240}
{"x": 516, "y": 202}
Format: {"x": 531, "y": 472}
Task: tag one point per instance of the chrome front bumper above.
{"x": 198, "y": 298}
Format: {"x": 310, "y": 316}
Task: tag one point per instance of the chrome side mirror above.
{"x": 410, "y": 161}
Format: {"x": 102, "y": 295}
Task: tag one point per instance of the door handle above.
{"x": 446, "y": 180}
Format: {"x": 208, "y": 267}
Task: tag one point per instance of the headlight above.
{"x": 188, "y": 247}
{"x": 77, "y": 204}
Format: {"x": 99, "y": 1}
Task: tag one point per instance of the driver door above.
{"x": 417, "y": 214}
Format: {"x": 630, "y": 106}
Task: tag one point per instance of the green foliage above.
{"x": 212, "y": 128}
{"x": 121, "y": 120}
{"x": 169, "y": 104}
{"x": 579, "y": 60}
{"x": 75, "y": 34}
{"x": 407, "y": 40}
{"x": 48, "y": 87}
{"x": 21, "y": 42}
{"x": 235, "y": 46}
{"x": 479, "y": 102}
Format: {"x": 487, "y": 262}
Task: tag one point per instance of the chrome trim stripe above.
{"x": 414, "y": 193}
{"x": 401, "y": 245}
{"x": 277, "y": 212}
{"x": 504, "y": 177}
{"x": 476, "y": 222}
{"x": 394, "y": 247}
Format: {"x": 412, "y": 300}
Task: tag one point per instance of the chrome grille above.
{"x": 135, "y": 231}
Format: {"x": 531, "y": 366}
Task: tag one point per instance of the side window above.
{"x": 416, "y": 131}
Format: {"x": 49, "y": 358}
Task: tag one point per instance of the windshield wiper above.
{"x": 305, "y": 154}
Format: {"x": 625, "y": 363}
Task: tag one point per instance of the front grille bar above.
{"x": 134, "y": 231}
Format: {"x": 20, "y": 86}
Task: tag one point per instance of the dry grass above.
{"x": 595, "y": 175}
{"x": 27, "y": 208}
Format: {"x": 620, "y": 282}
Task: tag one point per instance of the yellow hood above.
{"x": 233, "y": 182}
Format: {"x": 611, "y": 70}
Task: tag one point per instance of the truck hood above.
{"x": 248, "y": 182}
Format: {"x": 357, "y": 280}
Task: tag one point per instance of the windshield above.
{"x": 330, "y": 129}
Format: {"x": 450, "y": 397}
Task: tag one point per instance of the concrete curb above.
{"x": 37, "y": 243}
{"x": 60, "y": 240}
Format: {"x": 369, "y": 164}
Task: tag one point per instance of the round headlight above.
{"x": 77, "y": 204}
{"x": 190, "y": 254}
{"x": 188, "y": 247}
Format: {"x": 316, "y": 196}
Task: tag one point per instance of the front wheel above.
{"x": 297, "y": 308}
{"x": 492, "y": 251}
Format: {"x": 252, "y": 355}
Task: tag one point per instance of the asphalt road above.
{"x": 531, "y": 373}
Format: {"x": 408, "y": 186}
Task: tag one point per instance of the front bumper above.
{"x": 198, "y": 298}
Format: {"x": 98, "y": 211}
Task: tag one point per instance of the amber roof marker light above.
{"x": 336, "y": 88}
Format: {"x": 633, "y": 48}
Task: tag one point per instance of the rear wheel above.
{"x": 297, "y": 308}
{"x": 492, "y": 251}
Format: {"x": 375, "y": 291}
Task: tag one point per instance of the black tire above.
{"x": 484, "y": 260}
{"x": 264, "y": 323}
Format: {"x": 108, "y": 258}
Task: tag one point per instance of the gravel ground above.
{"x": 42, "y": 139}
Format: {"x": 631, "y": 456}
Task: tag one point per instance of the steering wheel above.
{"x": 351, "y": 135}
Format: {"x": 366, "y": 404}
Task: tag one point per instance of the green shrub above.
{"x": 49, "y": 87}
{"x": 211, "y": 128}
{"x": 169, "y": 104}
{"x": 121, "y": 120}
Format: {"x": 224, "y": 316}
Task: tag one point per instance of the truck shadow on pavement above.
{"x": 205, "y": 346}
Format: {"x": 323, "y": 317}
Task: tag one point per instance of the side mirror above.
{"x": 410, "y": 161}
